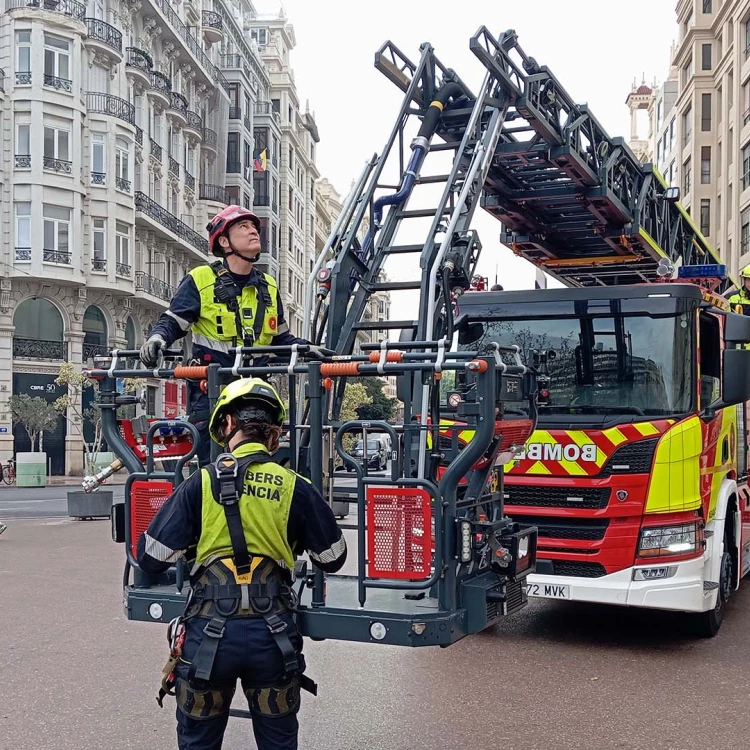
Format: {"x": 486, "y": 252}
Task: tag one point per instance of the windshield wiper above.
{"x": 590, "y": 409}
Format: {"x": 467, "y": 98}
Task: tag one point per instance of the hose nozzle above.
{"x": 92, "y": 483}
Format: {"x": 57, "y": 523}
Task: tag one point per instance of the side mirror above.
{"x": 737, "y": 329}
{"x": 735, "y": 382}
{"x": 470, "y": 332}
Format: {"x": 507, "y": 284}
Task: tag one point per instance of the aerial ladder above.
{"x": 573, "y": 201}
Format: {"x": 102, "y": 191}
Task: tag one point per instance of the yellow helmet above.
{"x": 745, "y": 272}
{"x": 252, "y": 399}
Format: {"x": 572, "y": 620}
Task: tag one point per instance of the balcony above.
{"x": 265, "y": 109}
{"x": 164, "y": 219}
{"x": 2, "y": 81}
{"x": 104, "y": 39}
{"x": 156, "y": 150}
{"x": 70, "y": 8}
{"x": 122, "y": 184}
{"x": 213, "y": 27}
{"x": 23, "y": 254}
{"x": 214, "y": 193}
{"x": 39, "y": 349}
{"x": 99, "y": 265}
{"x": 59, "y": 84}
{"x": 139, "y": 136}
{"x": 52, "y": 164}
{"x": 174, "y": 166}
{"x": 23, "y": 161}
{"x": 189, "y": 181}
{"x": 176, "y": 29}
{"x": 94, "y": 350}
{"x": 194, "y": 125}
{"x": 98, "y": 178}
{"x": 123, "y": 269}
{"x": 23, "y": 78}
{"x": 138, "y": 66}
{"x": 210, "y": 140}
{"x": 107, "y": 104}
{"x": 178, "y": 108}
{"x": 56, "y": 256}
{"x": 161, "y": 88}
{"x": 151, "y": 285}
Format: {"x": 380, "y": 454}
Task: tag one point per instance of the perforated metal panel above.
{"x": 399, "y": 535}
{"x": 145, "y": 500}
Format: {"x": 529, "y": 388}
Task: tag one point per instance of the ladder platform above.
{"x": 383, "y": 325}
{"x": 392, "y": 286}
{"x": 403, "y": 249}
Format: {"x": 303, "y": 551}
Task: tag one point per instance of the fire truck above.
{"x": 603, "y": 423}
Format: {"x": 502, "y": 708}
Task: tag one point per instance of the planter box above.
{"x": 90, "y": 504}
{"x": 31, "y": 469}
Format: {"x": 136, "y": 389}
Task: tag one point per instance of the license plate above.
{"x": 548, "y": 590}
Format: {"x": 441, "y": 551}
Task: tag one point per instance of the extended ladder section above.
{"x": 572, "y": 200}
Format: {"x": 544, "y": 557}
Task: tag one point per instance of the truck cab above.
{"x": 636, "y": 475}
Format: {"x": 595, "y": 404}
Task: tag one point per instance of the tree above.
{"x": 33, "y": 413}
{"x": 378, "y": 406}
{"x": 71, "y": 407}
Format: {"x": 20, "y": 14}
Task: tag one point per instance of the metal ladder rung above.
{"x": 421, "y": 213}
{"x": 448, "y": 146}
{"x": 433, "y": 179}
{"x": 383, "y": 325}
{"x": 402, "y": 249}
{"x": 392, "y": 286}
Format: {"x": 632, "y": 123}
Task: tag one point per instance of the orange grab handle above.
{"x": 477, "y": 365}
{"x": 334, "y": 369}
{"x": 191, "y": 371}
{"x": 391, "y": 356}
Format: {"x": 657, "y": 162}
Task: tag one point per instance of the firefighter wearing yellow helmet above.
{"x": 742, "y": 296}
{"x": 247, "y": 518}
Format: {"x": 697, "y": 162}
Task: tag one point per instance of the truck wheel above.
{"x": 707, "y": 624}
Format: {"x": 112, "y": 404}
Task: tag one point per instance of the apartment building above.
{"x": 700, "y": 122}
{"x": 110, "y": 114}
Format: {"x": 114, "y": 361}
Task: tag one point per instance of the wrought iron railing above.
{"x": 174, "y": 166}
{"x": 99, "y": 265}
{"x": 23, "y": 253}
{"x": 235, "y": 113}
{"x": 57, "y": 165}
{"x": 189, "y": 181}
{"x": 107, "y": 104}
{"x": 151, "y": 285}
{"x": 39, "y": 349}
{"x": 210, "y": 138}
{"x": 156, "y": 149}
{"x": 98, "y": 178}
{"x": 214, "y": 193}
{"x": 2, "y": 80}
{"x": 138, "y": 58}
{"x": 179, "y": 103}
{"x": 123, "y": 269}
{"x": 169, "y": 221}
{"x": 94, "y": 350}
{"x": 61, "y": 84}
{"x": 139, "y": 135}
{"x": 194, "y": 121}
{"x": 23, "y": 161}
{"x": 212, "y": 20}
{"x": 122, "y": 184}
{"x": 231, "y": 61}
{"x": 161, "y": 83}
{"x": 104, "y": 32}
{"x": 56, "y": 256}
{"x": 23, "y": 78}
{"x": 70, "y": 8}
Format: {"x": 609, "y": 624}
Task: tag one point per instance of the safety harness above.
{"x": 233, "y": 599}
{"x": 228, "y": 293}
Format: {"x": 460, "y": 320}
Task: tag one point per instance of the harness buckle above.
{"x": 226, "y": 471}
{"x": 215, "y": 628}
{"x": 276, "y": 625}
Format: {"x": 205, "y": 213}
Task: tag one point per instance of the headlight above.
{"x": 662, "y": 541}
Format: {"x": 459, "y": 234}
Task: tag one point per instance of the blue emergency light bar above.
{"x": 706, "y": 271}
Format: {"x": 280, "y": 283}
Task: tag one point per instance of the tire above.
{"x": 707, "y": 624}
{"x": 8, "y": 475}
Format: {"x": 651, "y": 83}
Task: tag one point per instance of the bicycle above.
{"x": 9, "y": 471}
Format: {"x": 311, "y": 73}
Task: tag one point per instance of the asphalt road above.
{"x": 74, "y": 673}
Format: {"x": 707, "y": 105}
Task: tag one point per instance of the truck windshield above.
{"x": 629, "y": 364}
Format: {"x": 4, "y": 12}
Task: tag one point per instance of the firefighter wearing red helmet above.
{"x": 224, "y": 304}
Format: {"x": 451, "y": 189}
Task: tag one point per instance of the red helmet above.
{"x": 222, "y": 221}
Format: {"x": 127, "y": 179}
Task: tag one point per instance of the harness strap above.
{"x": 216, "y": 592}
{"x": 264, "y": 301}
{"x": 278, "y": 629}
{"x": 203, "y": 661}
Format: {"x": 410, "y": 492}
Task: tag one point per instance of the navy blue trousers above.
{"x": 248, "y": 653}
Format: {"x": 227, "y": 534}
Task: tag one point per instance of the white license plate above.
{"x": 548, "y": 590}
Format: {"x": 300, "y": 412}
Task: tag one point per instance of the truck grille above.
{"x": 588, "y": 529}
{"x": 557, "y": 497}
{"x": 633, "y": 458}
{"x": 570, "y": 568}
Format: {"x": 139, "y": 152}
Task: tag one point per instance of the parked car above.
{"x": 378, "y": 447}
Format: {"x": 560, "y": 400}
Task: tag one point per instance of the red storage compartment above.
{"x": 146, "y": 497}
{"x": 399, "y": 533}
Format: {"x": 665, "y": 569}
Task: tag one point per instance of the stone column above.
{"x": 6, "y": 389}
{"x": 74, "y": 436}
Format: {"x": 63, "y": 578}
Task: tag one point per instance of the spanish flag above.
{"x": 261, "y": 162}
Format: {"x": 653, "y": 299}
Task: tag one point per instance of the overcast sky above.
{"x": 595, "y": 54}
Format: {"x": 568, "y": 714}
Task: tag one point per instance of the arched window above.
{"x": 131, "y": 333}
{"x": 95, "y": 330}
{"x": 38, "y": 330}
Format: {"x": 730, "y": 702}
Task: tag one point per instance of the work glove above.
{"x": 320, "y": 352}
{"x": 151, "y": 349}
